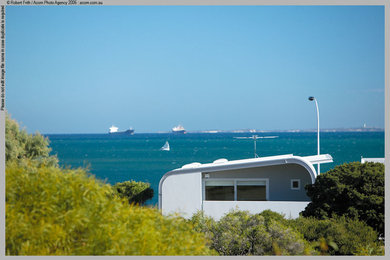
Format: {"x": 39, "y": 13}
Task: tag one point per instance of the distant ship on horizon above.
{"x": 114, "y": 131}
{"x": 179, "y": 130}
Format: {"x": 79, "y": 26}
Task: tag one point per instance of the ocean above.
{"x": 138, "y": 157}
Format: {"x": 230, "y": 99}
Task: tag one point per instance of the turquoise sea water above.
{"x": 137, "y": 157}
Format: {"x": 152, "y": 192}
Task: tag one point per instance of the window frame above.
{"x": 235, "y": 180}
{"x": 299, "y": 184}
{"x": 218, "y": 179}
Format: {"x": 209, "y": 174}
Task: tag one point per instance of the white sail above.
{"x": 165, "y": 147}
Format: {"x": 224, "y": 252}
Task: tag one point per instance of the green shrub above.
{"x": 134, "y": 192}
{"x": 241, "y": 233}
{"x": 21, "y": 145}
{"x": 354, "y": 190}
{"x": 371, "y": 250}
{"x": 269, "y": 216}
{"x": 342, "y": 236}
{"x": 203, "y": 224}
{"x": 52, "y": 211}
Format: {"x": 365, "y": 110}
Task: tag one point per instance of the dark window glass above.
{"x": 295, "y": 184}
{"x": 220, "y": 192}
{"x": 251, "y": 193}
{"x": 246, "y": 190}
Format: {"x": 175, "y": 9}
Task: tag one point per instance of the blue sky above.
{"x": 82, "y": 69}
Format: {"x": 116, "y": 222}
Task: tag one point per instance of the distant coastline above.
{"x": 329, "y": 130}
{"x": 254, "y": 131}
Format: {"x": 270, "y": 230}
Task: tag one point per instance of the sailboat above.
{"x": 165, "y": 147}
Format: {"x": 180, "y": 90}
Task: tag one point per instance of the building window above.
{"x": 240, "y": 190}
{"x": 251, "y": 190}
{"x": 295, "y": 184}
{"x": 219, "y": 189}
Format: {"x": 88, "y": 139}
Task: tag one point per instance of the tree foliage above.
{"x": 241, "y": 233}
{"x": 134, "y": 192}
{"x": 339, "y": 235}
{"x": 21, "y": 145}
{"x": 53, "y": 211}
{"x": 354, "y": 190}
{"x": 270, "y": 233}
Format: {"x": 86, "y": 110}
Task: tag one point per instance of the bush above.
{"x": 241, "y": 233}
{"x": 353, "y": 190}
{"x": 21, "y": 145}
{"x": 339, "y": 235}
{"x": 134, "y": 192}
{"x": 269, "y": 216}
{"x": 52, "y": 211}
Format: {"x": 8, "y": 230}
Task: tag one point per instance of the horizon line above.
{"x": 254, "y": 131}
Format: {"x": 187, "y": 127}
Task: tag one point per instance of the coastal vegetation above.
{"x": 134, "y": 192}
{"x": 52, "y": 210}
{"x": 56, "y": 211}
{"x": 242, "y": 233}
{"x": 269, "y": 233}
{"x": 354, "y": 190}
{"x": 21, "y": 145}
{"x": 339, "y": 235}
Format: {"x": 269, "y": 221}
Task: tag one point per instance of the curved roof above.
{"x": 223, "y": 164}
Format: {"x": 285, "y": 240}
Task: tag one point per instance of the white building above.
{"x": 276, "y": 183}
{"x": 375, "y": 160}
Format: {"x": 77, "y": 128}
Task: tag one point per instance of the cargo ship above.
{"x": 179, "y": 130}
{"x": 114, "y": 131}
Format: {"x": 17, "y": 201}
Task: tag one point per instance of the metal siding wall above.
{"x": 182, "y": 194}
